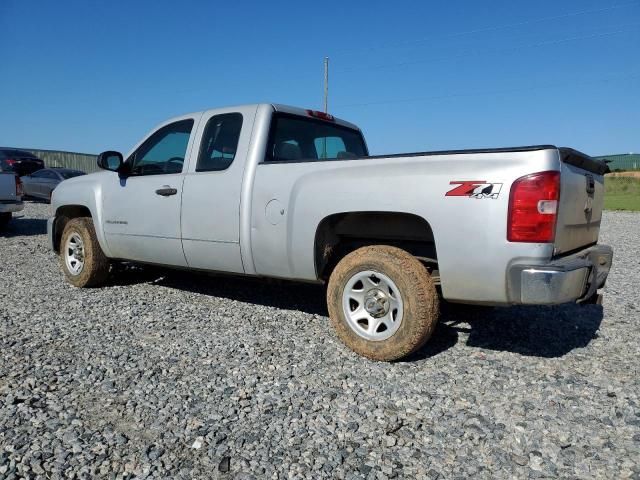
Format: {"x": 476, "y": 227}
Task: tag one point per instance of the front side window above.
{"x": 164, "y": 151}
{"x": 294, "y": 138}
{"x": 40, "y": 174}
{"x": 71, "y": 173}
{"x": 219, "y": 142}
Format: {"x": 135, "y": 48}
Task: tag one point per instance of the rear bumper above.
{"x": 574, "y": 278}
{"x": 50, "y": 232}
{"x": 9, "y": 207}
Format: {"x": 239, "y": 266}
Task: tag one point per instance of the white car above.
{"x": 41, "y": 184}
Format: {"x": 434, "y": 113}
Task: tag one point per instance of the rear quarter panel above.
{"x": 289, "y": 201}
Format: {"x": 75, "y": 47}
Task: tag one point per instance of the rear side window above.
{"x": 44, "y": 174}
{"x": 219, "y": 142}
{"x": 294, "y": 138}
{"x": 49, "y": 175}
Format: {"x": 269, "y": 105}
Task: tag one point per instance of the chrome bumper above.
{"x": 575, "y": 278}
{"x": 50, "y": 221}
{"x": 11, "y": 206}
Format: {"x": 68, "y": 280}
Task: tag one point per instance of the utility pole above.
{"x": 326, "y": 84}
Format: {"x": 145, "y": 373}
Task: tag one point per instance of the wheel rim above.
{"x": 74, "y": 254}
{"x": 372, "y": 305}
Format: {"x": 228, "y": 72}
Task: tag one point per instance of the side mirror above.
{"x": 110, "y": 160}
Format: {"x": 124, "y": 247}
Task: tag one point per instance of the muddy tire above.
{"x": 382, "y": 302}
{"x": 82, "y": 260}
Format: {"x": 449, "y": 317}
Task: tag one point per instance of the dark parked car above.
{"x": 19, "y": 161}
{"x": 41, "y": 183}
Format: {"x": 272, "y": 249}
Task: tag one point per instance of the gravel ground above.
{"x": 167, "y": 375}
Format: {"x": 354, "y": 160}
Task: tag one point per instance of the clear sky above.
{"x": 416, "y": 75}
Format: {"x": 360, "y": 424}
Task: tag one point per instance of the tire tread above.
{"x": 418, "y": 292}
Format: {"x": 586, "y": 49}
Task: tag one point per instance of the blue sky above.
{"x": 423, "y": 75}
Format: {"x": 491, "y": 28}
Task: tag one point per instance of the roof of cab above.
{"x": 303, "y": 112}
{"x": 277, "y": 107}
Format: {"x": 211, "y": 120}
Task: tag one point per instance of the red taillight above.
{"x": 19, "y": 187}
{"x": 320, "y": 115}
{"x": 533, "y": 208}
{"x": 10, "y": 161}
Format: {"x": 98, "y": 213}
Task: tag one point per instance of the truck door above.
{"x": 141, "y": 213}
{"x": 212, "y": 188}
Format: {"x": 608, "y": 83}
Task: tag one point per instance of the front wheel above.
{"x": 83, "y": 262}
{"x": 382, "y": 302}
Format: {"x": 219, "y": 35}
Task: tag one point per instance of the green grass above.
{"x": 622, "y": 193}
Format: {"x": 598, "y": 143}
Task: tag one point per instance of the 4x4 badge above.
{"x": 474, "y": 189}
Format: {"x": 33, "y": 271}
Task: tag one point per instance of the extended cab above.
{"x": 276, "y": 191}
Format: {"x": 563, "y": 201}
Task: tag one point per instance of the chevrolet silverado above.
{"x": 276, "y": 191}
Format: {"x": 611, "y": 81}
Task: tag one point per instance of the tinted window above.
{"x": 49, "y": 175}
{"x": 40, "y": 174}
{"x": 296, "y": 138}
{"x": 16, "y": 154}
{"x": 329, "y": 147}
{"x": 164, "y": 151}
{"x": 71, "y": 173}
{"x": 219, "y": 142}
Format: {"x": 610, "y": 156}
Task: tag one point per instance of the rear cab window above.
{"x": 295, "y": 138}
{"x": 219, "y": 142}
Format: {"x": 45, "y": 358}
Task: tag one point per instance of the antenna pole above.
{"x": 326, "y": 84}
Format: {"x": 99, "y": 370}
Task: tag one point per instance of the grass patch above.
{"x": 622, "y": 193}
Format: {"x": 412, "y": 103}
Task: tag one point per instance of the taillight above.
{"x": 533, "y": 208}
{"x": 10, "y": 161}
{"x": 19, "y": 187}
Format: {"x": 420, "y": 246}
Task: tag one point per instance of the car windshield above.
{"x": 71, "y": 173}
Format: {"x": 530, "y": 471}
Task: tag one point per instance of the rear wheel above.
{"x": 82, "y": 260}
{"x": 382, "y": 302}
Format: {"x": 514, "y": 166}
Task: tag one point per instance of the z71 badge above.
{"x": 474, "y": 189}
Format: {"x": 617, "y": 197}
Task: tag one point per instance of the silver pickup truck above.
{"x": 276, "y": 191}
{"x": 10, "y": 196}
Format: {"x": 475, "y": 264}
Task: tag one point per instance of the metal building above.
{"x": 623, "y": 161}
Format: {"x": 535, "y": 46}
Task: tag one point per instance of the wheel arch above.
{"x": 62, "y": 216}
{"x": 339, "y": 234}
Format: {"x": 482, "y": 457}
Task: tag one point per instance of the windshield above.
{"x": 295, "y": 138}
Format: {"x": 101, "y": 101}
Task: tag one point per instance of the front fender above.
{"x": 76, "y": 193}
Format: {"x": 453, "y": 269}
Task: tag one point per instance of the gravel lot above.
{"x": 167, "y": 375}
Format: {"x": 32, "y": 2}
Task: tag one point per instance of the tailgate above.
{"x": 581, "y": 200}
{"x": 7, "y": 187}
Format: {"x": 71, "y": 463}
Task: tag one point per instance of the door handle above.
{"x": 166, "y": 191}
